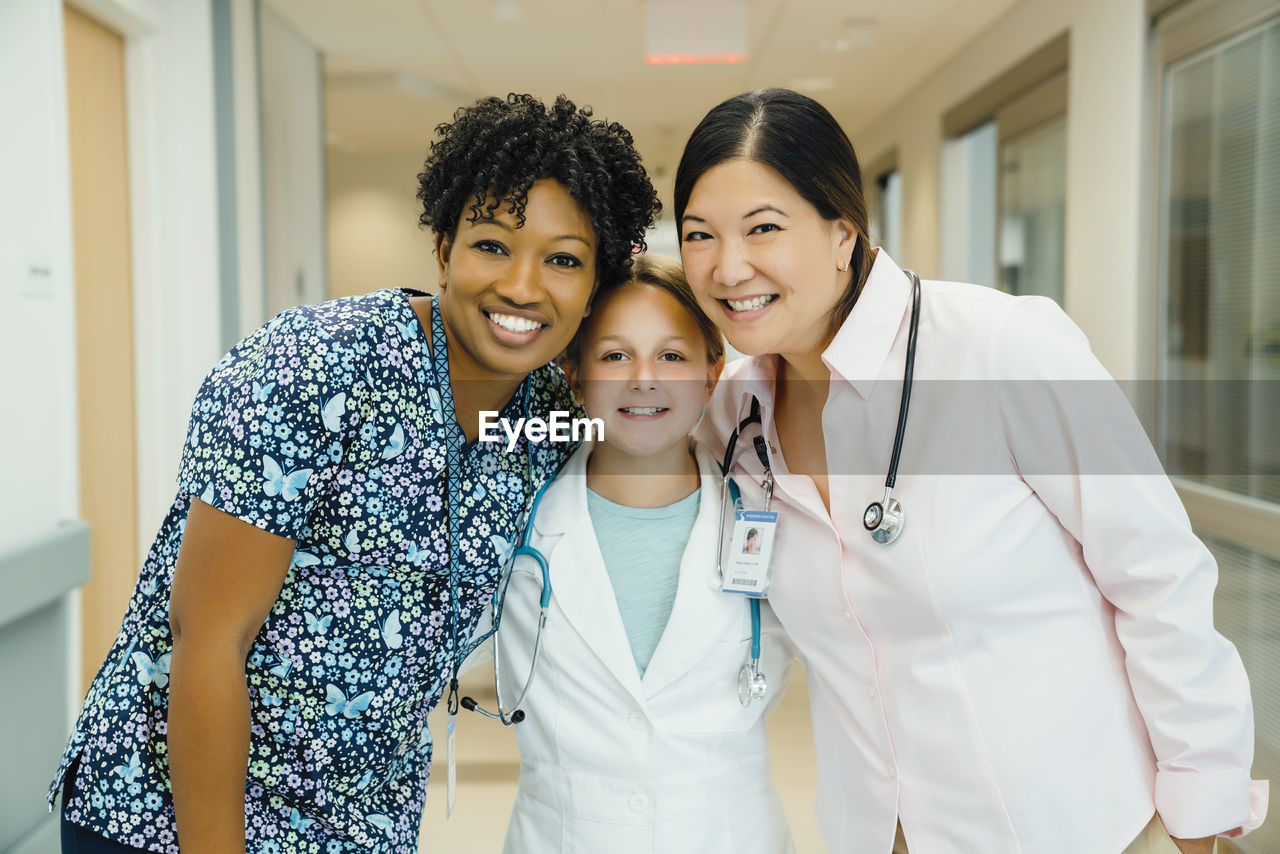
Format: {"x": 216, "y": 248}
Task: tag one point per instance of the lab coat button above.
{"x": 638, "y": 802}
{"x": 636, "y": 719}
{"x": 848, "y": 615}
{"x": 871, "y": 690}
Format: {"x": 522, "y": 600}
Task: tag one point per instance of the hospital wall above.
{"x": 1108, "y": 112}
{"x": 174, "y": 264}
{"x": 173, "y": 208}
{"x": 196, "y": 253}
{"x": 180, "y": 183}
{"x": 374, "y": 238}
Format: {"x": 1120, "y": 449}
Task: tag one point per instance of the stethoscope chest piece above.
{"x": 751, "y": 684}
{"x": 884, "y": 520}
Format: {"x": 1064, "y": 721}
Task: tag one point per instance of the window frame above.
{"x": 1021, "y": 99}
{"x": 872, "y": 171}
{"x": 1180, "y": 30}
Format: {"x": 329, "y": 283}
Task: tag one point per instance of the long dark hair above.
{"x": 798, "y": 138}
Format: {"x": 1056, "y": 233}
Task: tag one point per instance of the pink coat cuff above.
{"x": 1195, "y": 804}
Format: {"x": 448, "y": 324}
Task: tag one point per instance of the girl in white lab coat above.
{"x": 635, "y": 739}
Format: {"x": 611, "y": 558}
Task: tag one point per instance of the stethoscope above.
{"x": 751, "y": 682}
{"x": 515, "y": 714}
{"x": 882, "y": 518}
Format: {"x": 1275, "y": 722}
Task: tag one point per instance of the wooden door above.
{"x": 104, "y": 326}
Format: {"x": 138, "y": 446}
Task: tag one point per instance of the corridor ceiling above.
{"x": 394, "y": 69}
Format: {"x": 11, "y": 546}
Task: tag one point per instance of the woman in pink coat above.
{"x": 1028, "y": 662}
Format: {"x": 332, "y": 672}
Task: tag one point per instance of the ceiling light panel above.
{"x": 682, "y": 32}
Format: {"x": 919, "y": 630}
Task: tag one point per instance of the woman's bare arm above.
{"x": 228, "y": 576}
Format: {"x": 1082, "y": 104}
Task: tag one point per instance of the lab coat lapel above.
{"x": 580, "y": 586}
{"x": 701, "y": 616}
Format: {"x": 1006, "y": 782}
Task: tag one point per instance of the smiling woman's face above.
{"x": 762, "y": 261}
{"x": 512, "y": 297}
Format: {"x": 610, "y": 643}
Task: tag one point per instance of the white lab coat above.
{"x": 1031, "y": 667}
{"x": 615, "y": 764}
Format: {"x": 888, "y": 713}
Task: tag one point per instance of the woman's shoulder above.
{"x": 351, "y": 318}
{"x": 1010, "y": 336}
{"x": 973, "y": 305}
{"x": 332, "y": 327}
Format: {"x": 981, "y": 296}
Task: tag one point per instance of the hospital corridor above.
{"x": 272, "y": 270}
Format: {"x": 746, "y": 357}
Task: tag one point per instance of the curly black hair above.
{"x": 494, "y": 150}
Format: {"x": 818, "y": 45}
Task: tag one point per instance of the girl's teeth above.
{"x": 511, "y": 323}
{"x": 643, "y": 410}
{"x": 751, "y": 304}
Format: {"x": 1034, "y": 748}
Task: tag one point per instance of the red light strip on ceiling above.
{"x": 695, "y": 58}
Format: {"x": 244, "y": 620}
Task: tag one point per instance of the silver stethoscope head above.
{"x": 884, "y": 518}
{"x": 751, "y": 683}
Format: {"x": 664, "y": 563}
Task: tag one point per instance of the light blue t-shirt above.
{"x": 642, "y": 548}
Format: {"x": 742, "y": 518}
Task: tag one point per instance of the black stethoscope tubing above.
{"x": 913, "y": 333}
{"x": 883, "y": 518}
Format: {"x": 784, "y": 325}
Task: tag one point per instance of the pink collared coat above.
{"x": 1032, "y": 665}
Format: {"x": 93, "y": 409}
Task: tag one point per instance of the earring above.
{"x": 843, "y": 268}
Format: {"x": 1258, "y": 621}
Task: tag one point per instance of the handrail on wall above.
{"x": 35, "y": 573}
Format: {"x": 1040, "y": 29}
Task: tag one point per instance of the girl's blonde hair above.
{"x": 666, "y": 274}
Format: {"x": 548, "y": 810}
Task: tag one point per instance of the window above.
{"x": 1219, "y": 417}
{"x": 968, "y": 203}
{"x": 1033, "y": 204}
{"x": 1218, "y": 341}
{"x": 885, "y": 211}
{"x": 1245, "y": 607}
{"x": 1003, "y": 193}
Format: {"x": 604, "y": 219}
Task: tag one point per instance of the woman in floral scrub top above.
{"x": 281, "y": 652}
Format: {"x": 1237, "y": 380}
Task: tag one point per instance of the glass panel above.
{"x": 968, "y": 202}
{"x": 1220, "y": 335}
{"x": 1245, "y": 608}
{"x": 1033, "y": 202}
{"x": 886, "y": 214}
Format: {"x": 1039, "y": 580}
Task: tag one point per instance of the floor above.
{"x": 489, "y": 764}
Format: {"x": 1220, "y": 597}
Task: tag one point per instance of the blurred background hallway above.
{"x": 178, "y": 171}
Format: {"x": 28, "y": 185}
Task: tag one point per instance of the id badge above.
{"x": 451, "y": 761}
{"x": 747, "y": 566}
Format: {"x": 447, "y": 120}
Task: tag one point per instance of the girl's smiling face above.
{"x": 765, "y": 265}
{"x": 643, "y": 370}
{"x": 512, "y": 296}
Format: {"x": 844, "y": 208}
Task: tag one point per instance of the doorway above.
{"x": 104, "y": 326}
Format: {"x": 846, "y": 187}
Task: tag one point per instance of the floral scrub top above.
{"x": 324, "y": 426}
